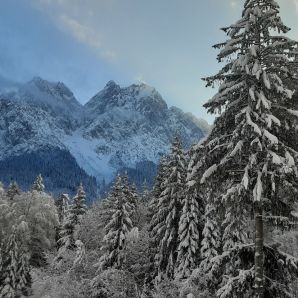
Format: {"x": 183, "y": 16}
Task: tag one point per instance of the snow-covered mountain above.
{"x": 119, "y": 128}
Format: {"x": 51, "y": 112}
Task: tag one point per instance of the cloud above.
{"x": 66, "y": 15}
{"x": 85, "y": 35}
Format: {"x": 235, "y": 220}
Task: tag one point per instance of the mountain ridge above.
{"x": 118, "y": 128}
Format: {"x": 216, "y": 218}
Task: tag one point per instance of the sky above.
{"x": 85, "y": 43}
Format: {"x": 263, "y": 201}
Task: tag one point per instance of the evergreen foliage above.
{"x": 192, "y": 219}
{"x": 78, "y": 208}
{"x": 189, "y": 235}
{"x": 165, "y": 222}
{"x": 12, "y": 190}
{"x": 250, "y": 157}
{"x": 120, "y": 209}
{"x": 15, "y": 279}
{"x": 63, "y": 205}
{"x": 38, "y": 184}
{"x": 71, "y": 218}
{"x": 66, "y": 234}
{"x": 58, "y": 167}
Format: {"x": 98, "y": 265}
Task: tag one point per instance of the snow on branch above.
{"x": 236, "y": 283}
{"x": 208, "y": 173}
{"x": 273, "y": 139}
{"x": 293, "y": 112}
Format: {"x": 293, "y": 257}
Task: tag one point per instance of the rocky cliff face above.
{"x": 119, "y": 128}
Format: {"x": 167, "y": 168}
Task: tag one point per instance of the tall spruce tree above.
{"x": 189, "y": 234}
{"x": 158, "y": 188}
{"x": 120, "y": 206}
{"x": 78, "y": 208}
{"x": 129, "y": 191}
{"x": 71, "y": 218}
{"x": 66, "y": 238}
{"x": 63, "y": 205}
{"x": 165, "y": 222}
{"x": 251, "y": 156}
{"x": 15, "y": 279}
{"x": 8, "y": 287}
{"x": 24, "y": 281}
{"x": 192, "y": 219}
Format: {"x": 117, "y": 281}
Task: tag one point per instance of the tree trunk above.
{"x": 259, "y": 254}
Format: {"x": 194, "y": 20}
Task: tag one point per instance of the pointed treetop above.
{"x": 38, "y": 184}
{"x": 81, "y": 189}
{"x": 13, "y": 190}
{"x": 79, "y": 207}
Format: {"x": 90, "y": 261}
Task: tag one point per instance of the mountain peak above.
{"x": 53, "y": 97}
{"x": 110, "y": 84}
{"x": 37, "y": 79}
{"x": 110, "y": 89}
{"x": 55, "y": 89}
{"x": 137, "y": 97}
{"x": 143, "y": 90}
{"x": 39, "y": 82}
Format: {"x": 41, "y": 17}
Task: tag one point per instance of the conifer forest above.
{"x": 221, "y": 216}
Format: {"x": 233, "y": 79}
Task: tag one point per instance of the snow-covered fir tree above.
{"x": 12, "y": 190}
{"x": 153, "y": 220}
{"x": 130, "y": 191}
{"x": 9, "y": 276}
{"x": 251, "y": 158}
{"x": 165, "y": 222}
{"x": 120, "y": 207}
{"x": 23, "y": 273}
{"x": 189, "y": 234}
{"x": 72, "y": 218}
{"x": 38, "y": 184}
{"x": 15, "y": 279}
{"x": 66, "y": 239}
{"x": 158, "y": 188}
{"x": 78, "y": 208}
{"x": 191, "y": 220}
{"x": 63, "y": 204}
